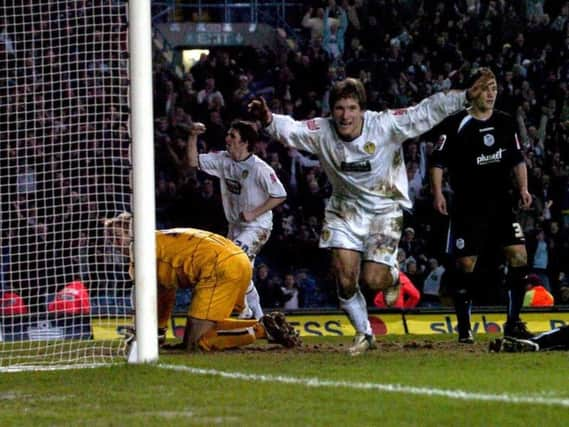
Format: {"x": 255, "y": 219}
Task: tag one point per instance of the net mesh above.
{"x": 64, "y": 169}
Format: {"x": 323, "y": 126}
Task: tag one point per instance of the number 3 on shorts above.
{"x": 518, "y": 232}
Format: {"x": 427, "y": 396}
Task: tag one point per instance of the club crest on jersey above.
{"x": 245, "y": 174}
{"x": 311, "y": 124}
{"x": 460, "y": 243}
{"x": 369, "y": 147}
{"x": 326, "y": 235}
{"x": 489, "y": 140}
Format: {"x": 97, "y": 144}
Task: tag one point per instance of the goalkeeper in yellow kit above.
{"x": 218, "y": 272}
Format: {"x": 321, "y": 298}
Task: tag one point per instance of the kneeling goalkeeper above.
{"x": 218, "y": 272}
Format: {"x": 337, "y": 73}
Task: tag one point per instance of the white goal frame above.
{"x": 142, "y": 131}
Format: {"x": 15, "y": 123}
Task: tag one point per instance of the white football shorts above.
{"x": 376, "y": 235}
{"x": 250, "y": 239}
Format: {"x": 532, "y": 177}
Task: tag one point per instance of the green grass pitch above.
{"x": 408, "y": 381}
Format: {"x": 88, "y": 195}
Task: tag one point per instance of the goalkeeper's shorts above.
{"x": 216, "y": 298}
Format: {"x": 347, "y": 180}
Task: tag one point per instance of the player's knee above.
{"x": 518, "y": 259}
{"x": 381, "y": 279}
{"x": 347, "y": 285}
{"x": 345, "y": 275}
{"x": 466, "y": 264}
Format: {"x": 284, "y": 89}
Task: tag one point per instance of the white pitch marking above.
{"x": 389, "y": 388}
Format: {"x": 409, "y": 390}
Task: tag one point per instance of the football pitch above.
{"x": 407, "y": 381}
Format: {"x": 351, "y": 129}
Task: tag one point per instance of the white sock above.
{"x": 394, "y": 270}
{"x": 356, "y": 309}
{"x": 253, "y": 301}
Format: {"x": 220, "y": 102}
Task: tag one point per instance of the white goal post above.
{"x": 76, "y": 148}
{"x": 140, "y": 38}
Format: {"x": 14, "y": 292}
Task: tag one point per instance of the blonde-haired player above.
{"x": 218, "y": 272}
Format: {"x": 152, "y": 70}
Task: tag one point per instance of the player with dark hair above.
{"x": 361, "y": 152}
{"x": 247, "y": 132}
{"x": 218, "y": 272}
{"x": 556, "y": 339}
{"x": 250, "y": 189}
{"x": 480, "y": 149}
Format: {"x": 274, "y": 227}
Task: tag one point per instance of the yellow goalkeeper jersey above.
{"x": 192, "y": 254}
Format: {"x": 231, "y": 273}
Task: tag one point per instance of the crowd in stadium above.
{"x": 403, "y": 51}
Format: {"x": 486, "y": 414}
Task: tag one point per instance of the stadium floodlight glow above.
{"x": 191, "y": 56}
{"x": 75, "y": 120}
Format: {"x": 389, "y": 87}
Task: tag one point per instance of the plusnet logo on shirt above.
{"x": 490, "y": 158}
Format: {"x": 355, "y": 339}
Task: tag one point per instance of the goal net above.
{"x": 65, "y": 144}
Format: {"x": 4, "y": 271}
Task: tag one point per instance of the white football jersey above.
{"x": 369, "y": 170}
{"x": 245, "y": 185}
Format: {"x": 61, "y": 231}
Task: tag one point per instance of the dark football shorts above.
{"x": 470, "y": 232}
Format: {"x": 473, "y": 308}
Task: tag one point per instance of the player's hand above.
{"x": 525, "y": 199}
{"x": 479, "y": 85}
{"x": 247, "y": 216}
{"x": 440, "y": 204}
{"x": 197, "y": 128}
{"x": 260, "y": 110}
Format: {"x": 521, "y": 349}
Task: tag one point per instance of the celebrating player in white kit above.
{"x": 250, "y": 189}
{"x": 361, "y": 153}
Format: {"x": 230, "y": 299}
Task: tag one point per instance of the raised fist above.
{"x": 260, "y": 110}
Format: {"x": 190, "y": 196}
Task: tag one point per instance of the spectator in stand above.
{"x": 209, "y": 96}
{"x": 364, "y": 214}
{"x": 242, "y": 95}
{"x": 291, "y": 293}
{"x": 334, "y": 32}
{"x": 413, "y": 270}
{"x": 401, "y": 258}
{"x": 536, "y": 294}
{"x": 269, "y": 293}
{"x": 250, "y": 190}
{"x": 432, "y": 283}
{"x": 538, "y": 250}
{"x": 313, "y": 20}
{"x": 480, "y": 148}
{"x": 409, "y": 295}
{"x": 409, "y": 244}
